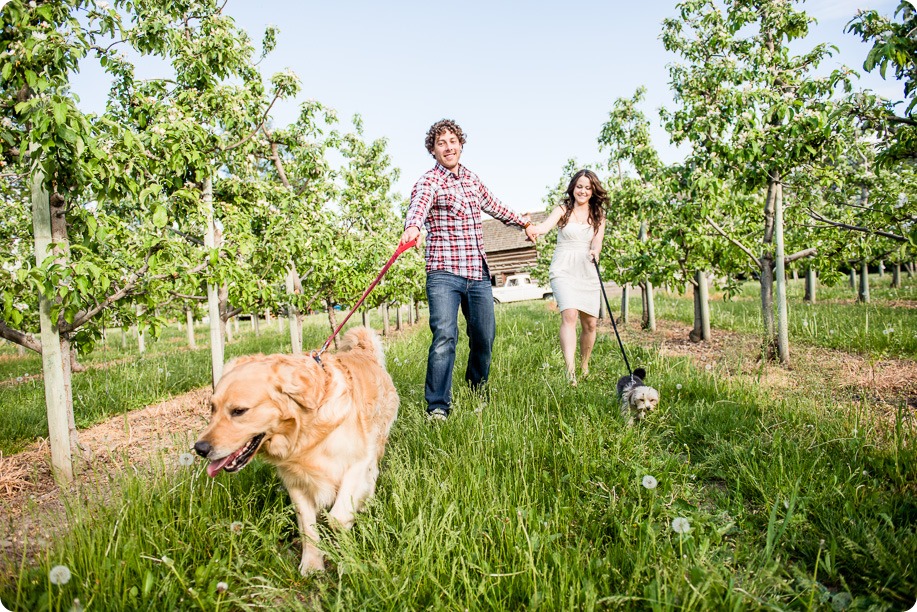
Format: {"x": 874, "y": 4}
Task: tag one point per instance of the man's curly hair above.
{"x": 443, "y": 125}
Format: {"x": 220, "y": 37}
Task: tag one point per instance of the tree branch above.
{"x": 21, "y": 338}
{"x": 258, "y": 127}
{"x": 744, "y": 248}
{"x": 856, "y": 228}
{"x": 810, "y": 252}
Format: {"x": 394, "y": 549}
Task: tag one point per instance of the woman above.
{"x": 580, "y": 218}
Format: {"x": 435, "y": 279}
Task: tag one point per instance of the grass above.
{"x": 834, "y": 321}
{"x": 534, "y": 500}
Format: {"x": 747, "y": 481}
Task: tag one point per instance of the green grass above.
{"x": 534, "y": 501}
{"x": 834, "y": 321}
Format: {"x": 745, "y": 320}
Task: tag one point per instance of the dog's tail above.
{"x": 364, "y": 339}
{"x": 640, "y": 373}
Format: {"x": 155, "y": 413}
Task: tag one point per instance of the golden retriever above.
{"x": 324, "y": 426}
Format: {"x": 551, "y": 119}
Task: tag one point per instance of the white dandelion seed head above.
{"x": 681, "y": 525}
{"x": 805, "y": 323}
{"x": 236, "y": 527}
{"x": 19, "y": 379}
{"x": 185, "y": 459}
{"x": 709, "y": 366}
{"x": 649, "y": 482}
{"x": 76, "y": 606}
{"x": 222, "y": 587}
{"x": 59, "y": 575}
{"x": 678, "y": 386}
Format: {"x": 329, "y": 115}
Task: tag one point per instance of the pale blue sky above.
{"x": 531, "y": 83}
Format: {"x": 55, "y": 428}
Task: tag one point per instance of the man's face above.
{"x": 447, "y": 149}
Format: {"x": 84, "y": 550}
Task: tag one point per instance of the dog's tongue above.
{"x": 215, "y": 466}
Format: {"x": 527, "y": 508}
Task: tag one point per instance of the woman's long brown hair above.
{"x": 596, "y": 203}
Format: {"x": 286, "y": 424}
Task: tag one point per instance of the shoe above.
{"x": 437, "y": 414}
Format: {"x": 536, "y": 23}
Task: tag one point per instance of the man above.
{"x": 448, "y": 201}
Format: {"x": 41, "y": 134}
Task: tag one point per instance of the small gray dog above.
{"x": 637, "y": 399}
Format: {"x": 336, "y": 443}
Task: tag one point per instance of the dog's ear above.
{"x": 302, "y": 380}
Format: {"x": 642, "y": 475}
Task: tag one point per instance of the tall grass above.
{"x": 533, "y": 499}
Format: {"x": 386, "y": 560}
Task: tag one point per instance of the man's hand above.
{"x": 530, "y": 234}
{"x": 410, "y": 233}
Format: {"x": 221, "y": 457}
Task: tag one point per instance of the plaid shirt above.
{"x": 449, "y": 207}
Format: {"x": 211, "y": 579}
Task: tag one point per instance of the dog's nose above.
{"x": 202, "y": 448}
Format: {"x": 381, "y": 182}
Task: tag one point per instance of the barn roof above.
{"x": 499, "y": 237}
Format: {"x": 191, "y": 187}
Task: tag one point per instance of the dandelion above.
{"x": 805, "y": 323}
{"x": 236, "y": 527}
{"x": 681, "y": 525}
{"x": 709, "y": 366}
{"x": 59, "y": 575}
{"x": 222, "y": 587}
{"x": 19, "y": 379}
{"x": 649, "y": 482}
{"x": 77, "y": 606}
{"x": 678, "y": 386}
{"x": 185, "y": 459}
{"x": 888, "y": 330}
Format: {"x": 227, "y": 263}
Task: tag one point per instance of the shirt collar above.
{"x": 442, "y": 170}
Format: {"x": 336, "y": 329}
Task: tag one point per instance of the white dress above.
{"x": 574, "y": 280}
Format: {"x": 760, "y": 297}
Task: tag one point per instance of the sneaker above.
{"x": 437, "y": 414}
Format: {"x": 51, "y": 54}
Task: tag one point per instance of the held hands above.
{"x": 530, "y": 234}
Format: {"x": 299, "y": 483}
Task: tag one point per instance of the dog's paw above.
{"x": 312, "y": 561}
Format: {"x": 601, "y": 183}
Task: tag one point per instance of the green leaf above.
{"x": 160, "y": 216}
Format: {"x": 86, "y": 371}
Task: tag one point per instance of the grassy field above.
{"x": 879, "y": 328}
{"x": 538, "y": 499}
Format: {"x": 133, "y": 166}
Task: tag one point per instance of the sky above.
{"x": 530, "y": 83}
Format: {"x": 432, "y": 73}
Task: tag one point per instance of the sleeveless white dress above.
{"x": 574, "y": 280}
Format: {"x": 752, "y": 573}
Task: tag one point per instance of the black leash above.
{"x": 612, "y": 317}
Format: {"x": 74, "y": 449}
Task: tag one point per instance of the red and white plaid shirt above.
{"x": 450, "y": 206}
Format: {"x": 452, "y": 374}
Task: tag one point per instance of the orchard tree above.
{"x": 894, "y": 46}
{"x": 754, "y": 112}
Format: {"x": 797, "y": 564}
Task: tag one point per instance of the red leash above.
{"x": 401, "y": 249}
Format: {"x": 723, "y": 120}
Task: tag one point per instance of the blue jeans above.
{"x": 446, "y": 293}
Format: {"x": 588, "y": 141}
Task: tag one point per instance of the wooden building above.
{"x": 508, "y": 252}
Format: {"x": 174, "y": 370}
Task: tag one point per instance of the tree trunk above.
{"x": 811, "y": 286}
{"x": 212, "y": 241}
{"x": 294, "y": 317}
{"x": 398, "y": 318}
{"x": 624, "y": 305}
{"x": 189, "y": 323}
{"x": 863, "y": 294}
{"x": 411, "y": 318}
{"x": 365, "y": 315}
{"x": 853, "y": 278}
{"x": 385, "y": 326}
{"x": 332, "y": 320}
{"x": 58, "y": 398}
{"x": 229, "y": 331}
{"x": 896, "y": 276}
{"x": 648, "y": 320}
{"x": 701, "y": 331}
{"x": 881, "y": 269}
{"x": 783, "y": 326}
{"x": 256, "y": 324}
